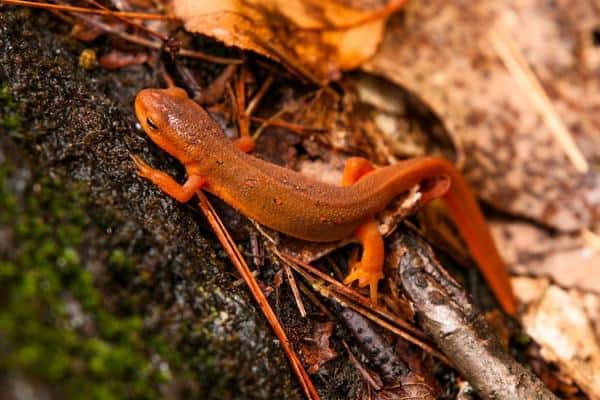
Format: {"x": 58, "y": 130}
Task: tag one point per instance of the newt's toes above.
{"x": 141, "y": 166}
{"x": 365, "y": 277}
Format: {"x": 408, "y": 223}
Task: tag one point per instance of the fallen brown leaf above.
{"x": 85, "y": 33}
{"x": 569, "y": 260}
{"x": 556, "y": 319}
{"x": 317, "y": 350}
{"x": 411, "y": 386}
{"x": 316, "y": 38}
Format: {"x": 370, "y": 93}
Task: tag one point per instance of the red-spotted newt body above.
{"x": 298, "y": 206}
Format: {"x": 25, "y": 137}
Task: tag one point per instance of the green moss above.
{"x": 9, "y": 117}
{"x": 52, "y": 320}
{"x": 120, "y": 262}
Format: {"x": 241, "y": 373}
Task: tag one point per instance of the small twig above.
{"x": 459, "y": 330}
{"x": 335, "y": 267}
{"x": 164, "y": 74}
{"x": 267, "y": 122}
{"x": 257, "y": 257}
{"x": 259, "y": 95}
{"x": 240, "y": 264}
{"x": 240, "y": 281}
{"x": 217, "y": 88}
{"x": 188, "y": 79}
{"x": 295, "y": 291}
{"x": 240, "y": 103}
{"x": 366, "y": 310}
{"x": 156, "y": 45}
{"x": 351, "y": 294}
{"x": 311, "y": 296}
{"x": 84, "y": 10}
{"x": 377, "y": 385}
{"x": 531, "y": 87}
{"x": 139, "y": 26}
{"x": 273, "y": 121}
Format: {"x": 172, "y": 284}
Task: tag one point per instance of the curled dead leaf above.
{"x": 558, "y": 322}
{"x": 568, "y": 259}
{"x": 318, "y": 39}
{"x": 317, "y": 350}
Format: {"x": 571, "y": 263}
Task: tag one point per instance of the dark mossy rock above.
{"x": 108, "y": 288}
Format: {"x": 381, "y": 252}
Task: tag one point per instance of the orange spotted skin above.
{"x": 292, "y": 203}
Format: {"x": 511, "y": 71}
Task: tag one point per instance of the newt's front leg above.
{"x": 245, "y": 143}
{"x": 369, "y": 269}
{"x": 182, "y": 193}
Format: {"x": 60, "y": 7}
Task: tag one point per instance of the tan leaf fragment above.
{"x": 557, "y": 321}
{"x": 568, "y": 260}
{"x": 316, "y": 38}
{"x": 317, "y": 350}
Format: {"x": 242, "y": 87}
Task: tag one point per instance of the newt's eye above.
{"x": 151, "y": 123}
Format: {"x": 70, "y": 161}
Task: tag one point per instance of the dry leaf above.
{"x": 557, "y": 321}
{"x": 316, "y": 350}
{"x": 569, "y": 260}
{"x": 411, "y": 386}
{"x": 85, "y": 33}
{"x": 408, "y": 128}
{"x": 317, "y": 38}
{"x": 442, "y": 51}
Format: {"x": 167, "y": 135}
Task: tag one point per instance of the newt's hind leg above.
{"x": 369, "y": 269}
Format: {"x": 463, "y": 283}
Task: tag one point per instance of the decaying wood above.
{"x": 399, "y": 380}
{"x": 380, "y": 353}
{"x": 458, "y": 329}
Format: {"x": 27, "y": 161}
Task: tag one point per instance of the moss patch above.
{"x": 53, "y": 323}
{"x": 10, "y": 120}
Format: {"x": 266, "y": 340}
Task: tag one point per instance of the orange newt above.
{"x": 299, "y": 206}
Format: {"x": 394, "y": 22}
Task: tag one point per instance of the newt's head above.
{"x": 170, "y": 118}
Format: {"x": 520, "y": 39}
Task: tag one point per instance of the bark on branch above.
{"x": 459, "y": 330}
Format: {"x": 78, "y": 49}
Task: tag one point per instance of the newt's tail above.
{"x": 464, "y": 210}
{"x": 395, "y": 179}
{"x": 470, "y": 222}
